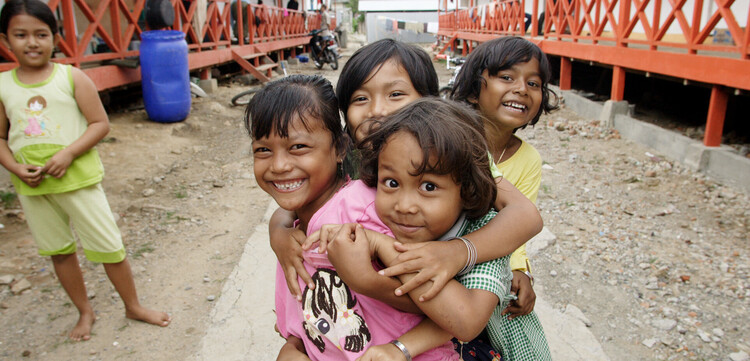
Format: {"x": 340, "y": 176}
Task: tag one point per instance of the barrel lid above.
{"x": 162, "y": 35}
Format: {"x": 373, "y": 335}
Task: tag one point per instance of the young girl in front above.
{"x": 50, "y": 120}
{"x": 298, "y": 151}
{"x": 379, "y": 79}
{"x": 506, "y": 79}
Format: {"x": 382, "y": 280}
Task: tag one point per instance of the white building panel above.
{"x": 398, "y": 5}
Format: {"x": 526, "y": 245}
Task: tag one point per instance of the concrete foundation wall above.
{"x": 721, "y": 163}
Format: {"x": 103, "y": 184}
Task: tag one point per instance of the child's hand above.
{"x": 436, "y": 261}
{"x": 325, "y": 235}
{"x": 349, "y": 252}
{"x": 521, "y": 286}
{"x": 29, "y": 174}
{"x": 58, "y": 164}
{"x": 386, "y": 352}
{"x": 289, "y": 254}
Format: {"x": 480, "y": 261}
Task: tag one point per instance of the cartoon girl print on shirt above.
{"x": 37, "y": 122}
{"x": 328, "y": 312}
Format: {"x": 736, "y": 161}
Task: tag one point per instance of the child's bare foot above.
{"x": 82, "y": 330}
{"x": 149, "y": 316}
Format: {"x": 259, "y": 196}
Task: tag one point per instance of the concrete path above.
{"x": 242, "y": 321}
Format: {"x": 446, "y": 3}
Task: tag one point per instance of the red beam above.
{"x": 618, "y": 84}
{"x": 728, "y": 72}
{"x": 717, "y": 108}
{"x": 111, "y": 76}
{"x": 565, "y": 73}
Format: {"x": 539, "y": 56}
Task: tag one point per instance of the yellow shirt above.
{"x": 524, "y": 170}
{"x": 44, "y": 118}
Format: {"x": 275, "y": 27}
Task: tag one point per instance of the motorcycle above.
{"x": 323, "y": 49}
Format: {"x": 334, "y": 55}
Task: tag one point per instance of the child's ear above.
{"x": 57, "y": 39}
{"x": 472, "y": 100}
{"x": 4, "y": 40}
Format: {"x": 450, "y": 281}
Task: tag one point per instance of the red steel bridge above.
{"x": 603, "y": 31}
{"x": 627, "y": 35}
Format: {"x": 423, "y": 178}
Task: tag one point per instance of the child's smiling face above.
{"x": 512, "y": 97}
{"x": 30, "y": 39}
{"x": 417, "y": 208}
{"x": 386, "y": 90}
{"x": 298, "y": 171}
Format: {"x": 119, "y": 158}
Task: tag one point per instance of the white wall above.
{"x": 398, "y": 5}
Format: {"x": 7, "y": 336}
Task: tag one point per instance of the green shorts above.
{"x": 54, "y": 217}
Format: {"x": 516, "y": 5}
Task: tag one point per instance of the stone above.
{"x": 148, "y": 192}
{"x": 211, "y": 298}
{"x": 664, "y": 324}
{"x": 541, "y": 241}
{"x": 704, "y": 336}
{"x": 6, "y": 279}
{"x": 718, "y": 332}
{"x": 649, "y": 342}
{"x": 739, "y": 356}
{"x": 208, "y": 85}
{"x": 20, "y": 286}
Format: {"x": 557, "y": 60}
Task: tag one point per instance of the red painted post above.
{"x": 70, "y": 30}
{"x": 618, "y": 83}
{"x": 717, "y": 108}
{"x": 566, "y": 70}
{"x": 240, "y": 30}
{"x": 205, "y": 73}
{"x": 535, "y": 19}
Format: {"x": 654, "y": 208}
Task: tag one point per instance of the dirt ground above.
{"x": 654, "y": 255}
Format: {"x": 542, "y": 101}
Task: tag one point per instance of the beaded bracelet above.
{"x": 471, "y": 259}
{"x": 403, "y": 349}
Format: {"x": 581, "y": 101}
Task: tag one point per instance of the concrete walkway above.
{"x": 242, "y": 321}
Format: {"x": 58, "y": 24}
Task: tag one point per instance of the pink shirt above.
{"x": 334, "y": 322}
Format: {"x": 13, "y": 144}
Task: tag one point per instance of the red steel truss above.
{"x": 602, "y": 31}
{"x": 209, "y": 35}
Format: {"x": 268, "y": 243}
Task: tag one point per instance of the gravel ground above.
{"x": 655, "y": 255}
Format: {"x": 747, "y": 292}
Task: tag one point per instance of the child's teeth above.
{"x": 288, "y": 186}
{"x": 516, "y": 105}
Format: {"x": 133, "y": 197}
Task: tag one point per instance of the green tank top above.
{"x": 44, "y": 118}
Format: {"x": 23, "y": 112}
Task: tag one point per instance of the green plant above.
{"x": 8, "y": 198}
{"x": 145, "y": 248}
{"x": 180, "y": 193}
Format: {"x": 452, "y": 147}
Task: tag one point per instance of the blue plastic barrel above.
{"x": 165, "y": 76}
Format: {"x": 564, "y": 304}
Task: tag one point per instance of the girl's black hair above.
{"x": 500, "y": 54}
{"x": 307, "y": 97}
{"x": 449, "y": 132}
{"x": 365, "y": 60}
{"x": 33, "y": 8}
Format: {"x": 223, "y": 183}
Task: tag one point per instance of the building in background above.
{"x": 413, "y": 21}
